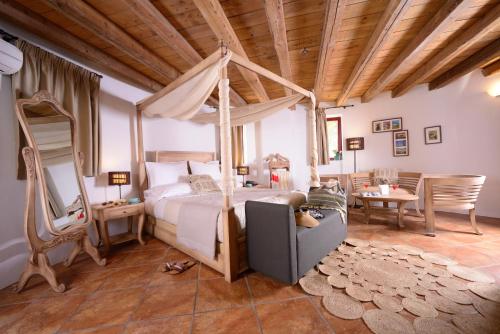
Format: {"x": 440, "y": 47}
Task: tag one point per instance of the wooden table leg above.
{"x": 366, "y": 208}
{"x": 140, "y": 226}
{"x": 103, "y": 228}
{"x": 401, "y": 213}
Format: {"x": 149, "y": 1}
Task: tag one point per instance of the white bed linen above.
{"x": 167, "y": 209}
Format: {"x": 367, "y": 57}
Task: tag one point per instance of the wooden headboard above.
{"x": 169, "y": 156}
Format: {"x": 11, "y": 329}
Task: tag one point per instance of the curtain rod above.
{"x": 336, "y": 107}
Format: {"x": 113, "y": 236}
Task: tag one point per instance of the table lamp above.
{"x": 355, "y": 144}
{"x": 119, "y": 179}
{"x": 243, "y": 170}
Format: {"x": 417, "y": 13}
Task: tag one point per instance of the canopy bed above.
{"x": 182, "y": 99}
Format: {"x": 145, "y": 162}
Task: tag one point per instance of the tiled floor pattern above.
{"x": 130, "y": 295}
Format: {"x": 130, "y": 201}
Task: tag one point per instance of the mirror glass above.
{"x": 51, "y": 132}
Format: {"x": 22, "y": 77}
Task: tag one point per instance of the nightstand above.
{"x": 102, "y": 214}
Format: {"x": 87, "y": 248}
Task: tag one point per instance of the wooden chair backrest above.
{"x": 358, "y": 179}
{"x": 410, "y": 181}
{"x": 454, "y": 191}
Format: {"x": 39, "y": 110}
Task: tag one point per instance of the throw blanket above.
{"x": 199, "y": 215}
{"x": 195, "y": 217}
{"x": 327, "y": 198}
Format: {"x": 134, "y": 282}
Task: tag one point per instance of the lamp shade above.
{"x": 355, "y": 144}
{"x": 118, "y": 178}
{"x": 243, "y": 170}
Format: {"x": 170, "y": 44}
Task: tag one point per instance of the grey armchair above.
{"x": 278, "y": 248}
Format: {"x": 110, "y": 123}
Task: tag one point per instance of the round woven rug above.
{"x": 427, "y": 284}
{"x": 447, "y": 306}
{"x": 416, "y": 261}
{"x": 438, "y": 272}
{"x": 385, "y": 273}
{"x": 473, "y": 324}
{"x": 387, "y": 290}
{"x": 434, "y": 326}
{"x": 343, "y": 306}
{"x": 388, "y": 303}
{"x": 357, "y": 242}
{"x": 407, "y": 249}
{"x": 419, "y": 307}
{"x": 359, "y": 293}
{"x": 355, "y": 278}
{"x": 459, "y": 297}
{"x": 438, "y": 259}
{"x": 406, "y": 292}
{"x": 452, "y": 283}
{"x": 363, "y": 250}
{"x": 419, "y": 290}
{"x": 339, "y": 281}
{"x": 470, "y": 274}
{"x": 380, "y": 244}
{"x": 486, "y": 290}
{"x": 488, "y": 309}
{"x": 328, "y": 269}
{"x": 315, "y": 285}
{"x": 346, "y": 271}
{"x": 385, "y": 322}
{"x": 331, "y": 261}
{"x": 369, "y": 285}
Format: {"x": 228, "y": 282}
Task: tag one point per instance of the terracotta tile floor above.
{"x": 130, "y": 295}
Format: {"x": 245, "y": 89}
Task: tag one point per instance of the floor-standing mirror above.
{"x": 52, "y": 158}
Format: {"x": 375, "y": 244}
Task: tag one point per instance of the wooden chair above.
{"x": 411, "y": 182}
{"x": 451, "y": 192}
{"x": 358, "y": 180}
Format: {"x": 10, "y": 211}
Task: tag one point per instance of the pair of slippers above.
{"x": 176, "y": 267}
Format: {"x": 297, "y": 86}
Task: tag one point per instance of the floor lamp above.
{"x": 355, "y": 144}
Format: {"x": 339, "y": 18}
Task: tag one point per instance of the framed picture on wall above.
{"x": 385, "y": 125}
{"x": 433, "y": 135}
{"x": 400, "y": 143}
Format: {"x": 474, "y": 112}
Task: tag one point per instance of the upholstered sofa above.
{"x": 280, "y": 249}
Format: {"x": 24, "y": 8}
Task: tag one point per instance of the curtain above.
{"x": 251, "y": 113}
{"x": 76, "y": 88}
{"x": 237, "y": 146}
{"x": 322, "y": 137}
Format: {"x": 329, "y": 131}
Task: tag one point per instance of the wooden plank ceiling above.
{"x": 339, "y": 48}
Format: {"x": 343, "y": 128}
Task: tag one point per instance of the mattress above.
{"x": 167, "y": 209}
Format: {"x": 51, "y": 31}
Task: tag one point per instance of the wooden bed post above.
{"x": 311, "y": 112}
{"x": 140, "y": 155}
{"x": 230, "y": 242}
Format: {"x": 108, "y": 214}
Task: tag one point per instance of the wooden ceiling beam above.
{"x": 458, "y": 44}
{"x": 435, "y": 26}
{"x": 491, "y": 69}
{"x": 214, "y": 14}
{"x": 335, "y": 10}
{"x": 393, "y": 13}
{"x": 88, "y": 17}
{"x": 276, "y": 22}
{"x": 158, "y": 23}
{"x": 40, "y": 26}
{"x": 484, "y": 56}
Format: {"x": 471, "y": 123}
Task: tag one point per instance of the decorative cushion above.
{"x": 203, "y": 184}
{"x": 163, "y": 173}
{"x": 210, "y": 168}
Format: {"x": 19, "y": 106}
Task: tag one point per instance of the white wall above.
{"x": 285, "y": 133}
{"x": 470, "y": 121}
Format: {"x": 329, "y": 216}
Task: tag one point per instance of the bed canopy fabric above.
{"x": 183, "y": 99}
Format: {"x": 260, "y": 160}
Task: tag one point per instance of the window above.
{"x": 334, "y": 129}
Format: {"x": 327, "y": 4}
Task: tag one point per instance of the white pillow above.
{"x": 162, "y": 173}
{"x": 210, "y": 168}
{"x": 169, "y": 190}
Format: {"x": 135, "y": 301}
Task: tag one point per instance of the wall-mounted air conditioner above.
{"x": 11, "y": 58}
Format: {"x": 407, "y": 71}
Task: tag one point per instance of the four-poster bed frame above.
{"x": 230, "y": 257}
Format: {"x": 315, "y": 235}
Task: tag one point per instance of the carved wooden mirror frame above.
{"x": 38, "y": 262}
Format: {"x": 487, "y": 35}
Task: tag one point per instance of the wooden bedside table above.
{"x": 101, "y": 214}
